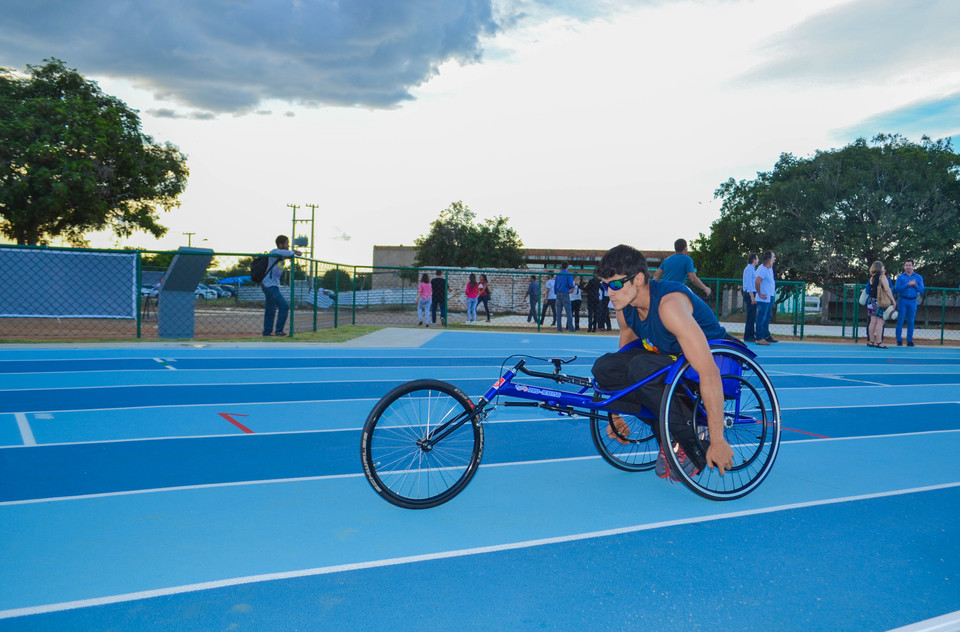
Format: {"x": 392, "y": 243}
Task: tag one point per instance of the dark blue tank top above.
{"x": 654, "y": 335}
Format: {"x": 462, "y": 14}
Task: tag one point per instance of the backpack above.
{"x": 259, "y": 268}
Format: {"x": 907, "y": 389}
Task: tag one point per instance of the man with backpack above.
{"x": 274, "y": 303}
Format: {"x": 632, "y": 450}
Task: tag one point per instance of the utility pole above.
{"x": 293, "y": 231}
{"x": 189, "y": 239}
{"x": 313, "y": 215}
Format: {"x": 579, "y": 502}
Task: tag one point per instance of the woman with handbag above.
{"x": 879, "y": 299}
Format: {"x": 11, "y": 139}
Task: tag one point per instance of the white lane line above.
{"x": 947, "y": 623}
{"x": 275, "y": 481}
{"x": 26, "y": 433}
{"x": 413, "y": 559}
{"x": 162, "y": 362}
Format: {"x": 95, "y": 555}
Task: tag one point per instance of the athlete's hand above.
{"x": 720, "y": 455}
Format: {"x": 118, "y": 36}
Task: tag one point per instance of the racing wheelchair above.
{"x": 423, "y": 441}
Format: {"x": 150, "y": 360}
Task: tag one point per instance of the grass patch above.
{"x": 343, "y": 333}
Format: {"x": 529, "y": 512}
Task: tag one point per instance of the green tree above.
{"x": 455, "y": 239}
{"x": 336, "y": 279}
{"x": 74, "y": 160}
{"x": 829, "y": 216}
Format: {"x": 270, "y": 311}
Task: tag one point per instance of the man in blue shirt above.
{"x": 669, "y": 319}
{"x": 909, "y": 287}
{"x": 533, "y": 295}
{"x": 679, "y": 268}
{"x": 750, "y": 298}
{"x": 562, "y": 286}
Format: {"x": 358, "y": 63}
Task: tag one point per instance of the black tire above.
{"x": 751, "y": 427}
{"x": 396, "y": 462}
{"x": 635, "y": 452}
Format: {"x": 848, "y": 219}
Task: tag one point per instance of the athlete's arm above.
{"x": 627, "y": 335}
{"x": 676, "y": 314}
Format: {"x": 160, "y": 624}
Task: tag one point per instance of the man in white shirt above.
{"x": 766, "y": 291}
{"x": 750, "y": 297}
{"x": 274, "y": 303}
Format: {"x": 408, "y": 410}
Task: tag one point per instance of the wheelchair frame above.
{"x": 418, "y": 465}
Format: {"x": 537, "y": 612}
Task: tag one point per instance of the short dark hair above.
{"x": 752, "y": 257}
{"x": 680, "y": 245}
{"x": 905, "y": 261}
{"x": 439, "y": 272}
{"x": 622, "y": 259}
{"x": 768, "y": 256}
{"x": 280, "y": 239}
{"x": 564, "y": 265}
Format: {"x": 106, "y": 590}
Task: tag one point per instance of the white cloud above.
{"x": 585, "y": 132}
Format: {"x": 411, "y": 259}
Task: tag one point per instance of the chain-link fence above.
{"x": 937, "y": 318}
{"x": 88, "y": 294}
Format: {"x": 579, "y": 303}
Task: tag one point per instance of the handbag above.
{"x": 883, "y": 298}
{"x": 863, "y": 296}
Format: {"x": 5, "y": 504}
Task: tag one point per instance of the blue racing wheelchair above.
{"x": 423, "y": 441}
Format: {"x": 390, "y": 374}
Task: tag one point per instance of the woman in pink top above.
{"x": 472, "y": 292}
{"x": 424, "y": 295}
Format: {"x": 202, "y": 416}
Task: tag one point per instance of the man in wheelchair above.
{"x": 659, "y": 320}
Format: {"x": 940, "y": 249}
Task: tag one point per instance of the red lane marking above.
{"x": 806, "y": 433}
{"x": 230, "y": 417}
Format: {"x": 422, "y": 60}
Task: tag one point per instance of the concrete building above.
{"x": 535, "y": 258}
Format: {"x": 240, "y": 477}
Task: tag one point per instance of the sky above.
{"x": 587, "y": 124}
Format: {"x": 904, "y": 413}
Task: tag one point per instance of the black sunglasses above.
{"x": 617, "y": 284}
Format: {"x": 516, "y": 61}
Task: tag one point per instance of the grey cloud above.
{"x": 863, "y": 41}
{"x": 173, "y": 114}
{"x": 230, "y": 55}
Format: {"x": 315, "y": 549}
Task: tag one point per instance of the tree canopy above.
{"x": 828, "y": 217}
{"x": 455, "y": 239}
{"x": 74, "y": 160}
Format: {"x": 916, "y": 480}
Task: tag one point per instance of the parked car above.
{"x": 148, "y": 291}
{"x": 204, "y": 291}
{"x": 225, "y": 290}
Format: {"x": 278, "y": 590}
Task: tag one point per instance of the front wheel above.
{"x": 421, "y": 444}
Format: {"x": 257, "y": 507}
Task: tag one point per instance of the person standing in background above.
{"x": 750, "y": 298}
{"x": 576, "y": 299}
{"x": 533, "y": 295}
{"x": 424, "y": 298}
{"x": 484, "y": 296}
{"x": 766, "y": 287}
{"x": 551, "y": 302}
{"x": 679, "y": 267}
{"x": 472, "y": 291}
{"x": 562, "y": 287}
{"x": 438, "y": 292}
{"x": 909, "y": 287}
{"x": 592, "y": 290}
{"x": 274, "y": 303}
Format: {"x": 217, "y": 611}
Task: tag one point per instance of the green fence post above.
{"x": 293, "y": 292}
{"x": 140, "y": 296}
{"x": 353, "y": 319}
{"x": 313, "y": 283}
{"x": 540, "y": 300}
{"x": 336, "y": 299}
{"x": 943, "y": 314}
{"x": 803, "y": 320}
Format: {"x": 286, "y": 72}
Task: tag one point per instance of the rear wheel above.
{"x": 421, "y": 444}
{"x": 751, "y": 425}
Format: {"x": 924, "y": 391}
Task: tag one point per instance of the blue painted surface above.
{"x": 684, "y": 563}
